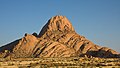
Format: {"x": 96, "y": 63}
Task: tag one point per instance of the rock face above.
{"x": 57, "y": 39}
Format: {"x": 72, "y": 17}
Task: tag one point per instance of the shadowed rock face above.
{"x": 57, "y": 39}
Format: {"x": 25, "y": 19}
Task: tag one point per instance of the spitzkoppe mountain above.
{"x": 56, "y": 39}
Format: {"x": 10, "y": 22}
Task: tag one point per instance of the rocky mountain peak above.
{"x": 57, "y": 39}
{"x": 57, "y": 23}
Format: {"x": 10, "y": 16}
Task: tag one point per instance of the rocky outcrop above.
{"x": 57, "y": 23}
{"x": 30, "y": 46}
{"x": 25, "y": 46}
{"x": 57, "y": 39}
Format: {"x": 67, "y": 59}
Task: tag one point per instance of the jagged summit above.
{"x": 57, "y": 39}
{"x": 57, "y": 23}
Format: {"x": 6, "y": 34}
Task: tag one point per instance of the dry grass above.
{"x": 77, "y": 62}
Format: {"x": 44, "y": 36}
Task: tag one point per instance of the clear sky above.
{"x": 97, "y": 20}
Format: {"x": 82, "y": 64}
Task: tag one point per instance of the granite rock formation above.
{"x": 56, "y": 39}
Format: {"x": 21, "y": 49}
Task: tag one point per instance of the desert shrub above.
{"x": 1, "y": 55}
{"x": 10, "y": 64}
{"x": 34, "y": 64}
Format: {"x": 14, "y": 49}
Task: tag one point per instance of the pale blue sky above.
{"x": 97, "y": 20}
